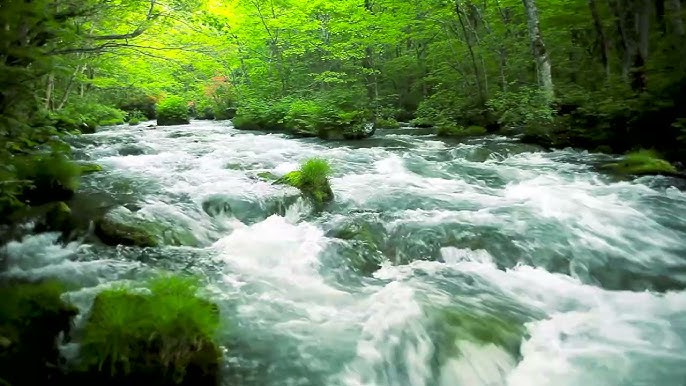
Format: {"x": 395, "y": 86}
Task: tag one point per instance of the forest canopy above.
{"x": 599, "y": 74}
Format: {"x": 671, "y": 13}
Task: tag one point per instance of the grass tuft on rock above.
{"x": 163, "y": 333}
{"x": 642, "y": 162}
{"x": 312, "y": 178}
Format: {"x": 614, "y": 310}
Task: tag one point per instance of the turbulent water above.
{"x": 485, "y": 262}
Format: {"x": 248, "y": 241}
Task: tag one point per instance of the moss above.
{"x": 481, "y": 328}
{"x": 89, "y": 167}
{"x": 312, "y": 179}
{"x": 164, "y": 335}
{"x": 122, "y": 227}
{"x": 641, "y": 162}
{"x": 32, "y": 314}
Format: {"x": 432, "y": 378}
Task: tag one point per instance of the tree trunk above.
{"x": 543, "y": 66}
{"x": 604, "y": 56}
{"x": 673, "y": 8}
{"x": 48, "y": 91}
{"x": 468, "y": 40}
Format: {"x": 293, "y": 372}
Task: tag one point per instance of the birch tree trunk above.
{"x": 673, "y": 8}
{"x": 543, "y": 66}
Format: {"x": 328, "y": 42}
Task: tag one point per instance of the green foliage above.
{"x": 32, "y": 314}
{"x": 387, "y": 123}
{"x": 312, "y": 178}
{"x": 642, "y": 162}
{"x": 522, "y": 107}
{"x": 172, "y": 110}
{"x": 166, "y": 329}
{"x": 48, "y": 177}
{"x": 86, "y": 116}
{"x": 135, "y": 117}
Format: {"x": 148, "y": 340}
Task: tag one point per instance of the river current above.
{"x": 481, "y": 262}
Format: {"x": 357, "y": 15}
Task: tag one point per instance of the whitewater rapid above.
{"x": 484, "y": 262}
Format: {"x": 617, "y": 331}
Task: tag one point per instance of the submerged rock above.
{"x": 161, "y": 336}
{"x": 123, "y": 227}
{"x": 32, "y": 315}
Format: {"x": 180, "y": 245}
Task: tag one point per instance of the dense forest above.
{"x": 606, "y": 76}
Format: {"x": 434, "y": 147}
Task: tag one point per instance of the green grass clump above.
{"x": 172, "y": 110}
{"x": 642, "y": 162}
{"x": 312, "y": 178}
{"x": 164, "y": 331}
{"x": 32, "y": 314}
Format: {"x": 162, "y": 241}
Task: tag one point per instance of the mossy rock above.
{"x": 456, "y": 324}
{"x": 89, "y": 168}
{"x": 163, "y": 335}
{"x": 319, "y": 191}
{"x": 642, "y": 162}
{"x": 123, "y": 227}
{"x": 456, "y": 131}
{"x": 32, "y": 315}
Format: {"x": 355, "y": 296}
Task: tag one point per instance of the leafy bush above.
{"x": 86, "y": 116}
{"x": 312, "y": 178}
{"x": 521, "y": 107}
{"x": 165, "y": 330}
{"x": 135, "y": 117}
{"x": 447, "y": 107}
{"x": 172, "y": 110}
{"x": 306, "y": 117}
{"x": 387, "y": 123}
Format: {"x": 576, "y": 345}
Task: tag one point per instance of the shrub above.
{"x": 387, "y": 123}
{"x": 135, "y": 117}
{"x": 86, "y": 116}
{"x": 164, "y": 333}
{"x": 172, "y": 110}
{"x": 48, "y": 177}
{"x": 312, "y": 179}
{"x": 31, "y": 317}
{"x": 518, "y": 108}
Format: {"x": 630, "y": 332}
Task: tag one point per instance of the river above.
{"x": 483, "y": 262}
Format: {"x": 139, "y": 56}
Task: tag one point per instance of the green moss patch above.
{"x": 123, "y": 227}
{"x": 312, "y": 179}
{"x": 163, "y": 335}
{"x": 641, "y": 162}
{"x": 31, "y": 317}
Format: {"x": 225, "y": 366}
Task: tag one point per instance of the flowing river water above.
{"x": 482, "y": 262}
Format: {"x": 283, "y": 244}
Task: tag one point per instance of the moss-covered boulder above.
{"x": 312, "y": 179}
{"x": 163, "y": 334}
{"x": 641, "y": 162}
{"x": 89, "y": 168}
{"x": 459, "y": 328}
{"x": 121, "y": 226}
{"x": 32, "y": 315}
{"x": 457, "y": 131}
